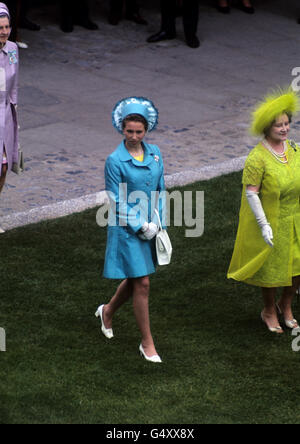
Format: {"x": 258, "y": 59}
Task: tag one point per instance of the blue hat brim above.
{"x": 135, "y": 105}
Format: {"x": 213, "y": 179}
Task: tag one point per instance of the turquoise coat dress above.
{"x": 133, "y": 188}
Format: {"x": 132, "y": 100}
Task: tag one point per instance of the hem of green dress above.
{"x": 265, "y": 284}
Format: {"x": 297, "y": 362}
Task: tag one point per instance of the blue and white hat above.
{"x": 135, "y": 105}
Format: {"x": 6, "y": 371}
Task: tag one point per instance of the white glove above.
{"x": 267, "y": 234}
{"x": 258, "y": 211}
{"x": 149, "y": 231}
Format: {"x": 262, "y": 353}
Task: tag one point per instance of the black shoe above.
{"x": 67, "y": 24}
{"x": 192, "y": 41}
{"x": 113, "y": 19}
{"x": 27, "y": 24}
{"x": 161, "y": 35}
{"x": 88, "y": 24}
{"x": 136, "y": 18}
{"x": 246, "y": 9}
{"x": 223, "y": 9}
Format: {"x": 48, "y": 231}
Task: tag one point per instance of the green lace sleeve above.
{"x": 254, "y": 170}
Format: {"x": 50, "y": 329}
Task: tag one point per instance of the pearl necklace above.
{"x": 281, "y": 157}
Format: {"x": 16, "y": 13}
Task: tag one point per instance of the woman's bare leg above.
{"x": 123, "y": 293}
{"x": 141, "y": 289}
{"x": 270, "y": 313}
{"x": 286, "y": 300}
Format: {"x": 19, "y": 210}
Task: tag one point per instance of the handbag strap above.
{"x": 159, "y": 222}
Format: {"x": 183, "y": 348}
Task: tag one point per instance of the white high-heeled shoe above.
{"x": 154, "y": 358}
{"x": 106, "y": 331}
{"x": 277, "y": 329}
{"x": 292, "y": 323}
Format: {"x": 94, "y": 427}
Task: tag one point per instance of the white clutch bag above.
{"x": 163, "y": 245}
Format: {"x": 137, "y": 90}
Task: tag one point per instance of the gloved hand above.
{"x": 149, "y": 231}
{"x": 267, "y": 234}
{"x": 258, "y": 211}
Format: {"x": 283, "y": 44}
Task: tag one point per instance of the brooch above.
{"x": 156, "y": 158}
{"x": 12, "y": 56}
{"x": 293, "y": 145}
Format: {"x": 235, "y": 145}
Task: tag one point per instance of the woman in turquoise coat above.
{"x": 134, "y": 177}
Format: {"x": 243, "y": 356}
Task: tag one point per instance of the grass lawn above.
{"x": 221, "y": 365}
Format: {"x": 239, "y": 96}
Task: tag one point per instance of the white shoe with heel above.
{"x": 108, "y": 333}
{"x": 154, "y": 358}
{"x": 293, "y": 323}
{"x": 276, "y": 329}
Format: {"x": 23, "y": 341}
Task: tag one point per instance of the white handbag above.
{"x": 163, "y": 245}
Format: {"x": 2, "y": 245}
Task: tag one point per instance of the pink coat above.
{"x": 9, "y": 69}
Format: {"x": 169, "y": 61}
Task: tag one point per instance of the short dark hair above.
{"x": 135, "y": 118}
{"x": 267, "y": 130}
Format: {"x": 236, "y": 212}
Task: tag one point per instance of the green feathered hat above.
{"x": 273, "y": 106}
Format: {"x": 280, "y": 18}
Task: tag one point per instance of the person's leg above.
{"x": 190, "y": 22}
{"x": 168, "y": 16}
{"x": 269, "y": 313}
{"x": 141, "y": 289}
{"x": 66, "y": 23}
{"x": 81, "y": 15}
{"x": 2, "y": 182}
{"x": 286, "y": 300}
{"x": 3, "y": 176}
{"x": 168, "y": 22}
{"x": 190, "y": 16}
{"x": 13, "y": 10}
{"x": 115, "y": 11}
{"x": 123, "y": 293}
{"x": 223, "y": 6}
{"x": 247, "y": 7}
{"x": 133, "y": 12}
{"x": 131, "y": 7}
{"x": 24, "y": 22}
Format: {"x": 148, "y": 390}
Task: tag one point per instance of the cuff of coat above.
{"x": 137, "y": 227}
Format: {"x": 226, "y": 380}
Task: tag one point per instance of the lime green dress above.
{"x": 253, "y": 261}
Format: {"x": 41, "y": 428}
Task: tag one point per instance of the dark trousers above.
{"x": 190, "y": 15}
{"x": 116, "y": 7}
{"x": 77, "y": 10}
{"x": 14, "y": 11}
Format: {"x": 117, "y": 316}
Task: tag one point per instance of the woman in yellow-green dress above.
{"x": 267, "y": 247}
